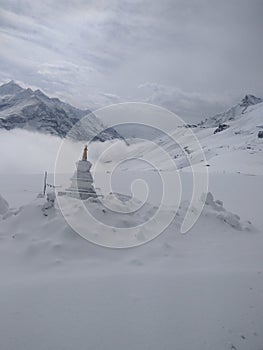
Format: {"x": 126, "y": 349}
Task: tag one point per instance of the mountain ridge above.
{"x": 233, "y": 112}
{"x": 35, "y": 111}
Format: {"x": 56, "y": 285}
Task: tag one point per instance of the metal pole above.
{"x": 45, "y": 183}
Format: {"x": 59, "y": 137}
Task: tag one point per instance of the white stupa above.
{"x": 82, "y": 180}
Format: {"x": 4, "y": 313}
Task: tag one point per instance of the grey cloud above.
{"x": 202, "y": 55}
{"x": 188, "y": 105}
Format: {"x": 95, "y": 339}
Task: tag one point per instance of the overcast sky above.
{"x": 195, "y": 57}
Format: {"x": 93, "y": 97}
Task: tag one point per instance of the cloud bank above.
{"x": 24, "y": 152}
{"x": 200, "y": 54}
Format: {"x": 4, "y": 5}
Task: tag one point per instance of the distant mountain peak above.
{"x": 232, "y": 113}
{"x": 10, "y": 83}
{"x": 39, "y": 92}
{"x": 10, "y": 88}
{"x": 250, "y": 100}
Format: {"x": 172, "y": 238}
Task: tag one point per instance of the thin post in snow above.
{"x": 45, "y": 183}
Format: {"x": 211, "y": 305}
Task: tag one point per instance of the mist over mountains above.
{"x": 24, "y": 108}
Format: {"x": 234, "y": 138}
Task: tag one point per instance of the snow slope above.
{"x": 232, "y": 113}
{"x": 235, "y": 149}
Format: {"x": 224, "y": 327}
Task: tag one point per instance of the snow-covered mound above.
{"x": 54, "y": 279}
{"x": 39, "y": 231}
{"x": 215, "y": 208}
{"x": 33, "y": 110}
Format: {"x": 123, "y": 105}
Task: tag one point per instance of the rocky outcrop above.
{"x": 221, "y": 127}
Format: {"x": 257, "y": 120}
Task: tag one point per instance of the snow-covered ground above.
{"x": 199, "y": 290}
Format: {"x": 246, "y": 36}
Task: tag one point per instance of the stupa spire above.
{"x": 85, "y": 153}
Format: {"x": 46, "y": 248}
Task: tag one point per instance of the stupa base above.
{"x": 79, "y": 194}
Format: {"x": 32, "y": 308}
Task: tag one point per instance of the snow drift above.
{"x": 38, "y": 230}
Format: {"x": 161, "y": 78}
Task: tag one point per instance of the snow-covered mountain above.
{"x": 237, "y": 147}
{"x": 232, "y": 113}
{"x": 33, "y": 110}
